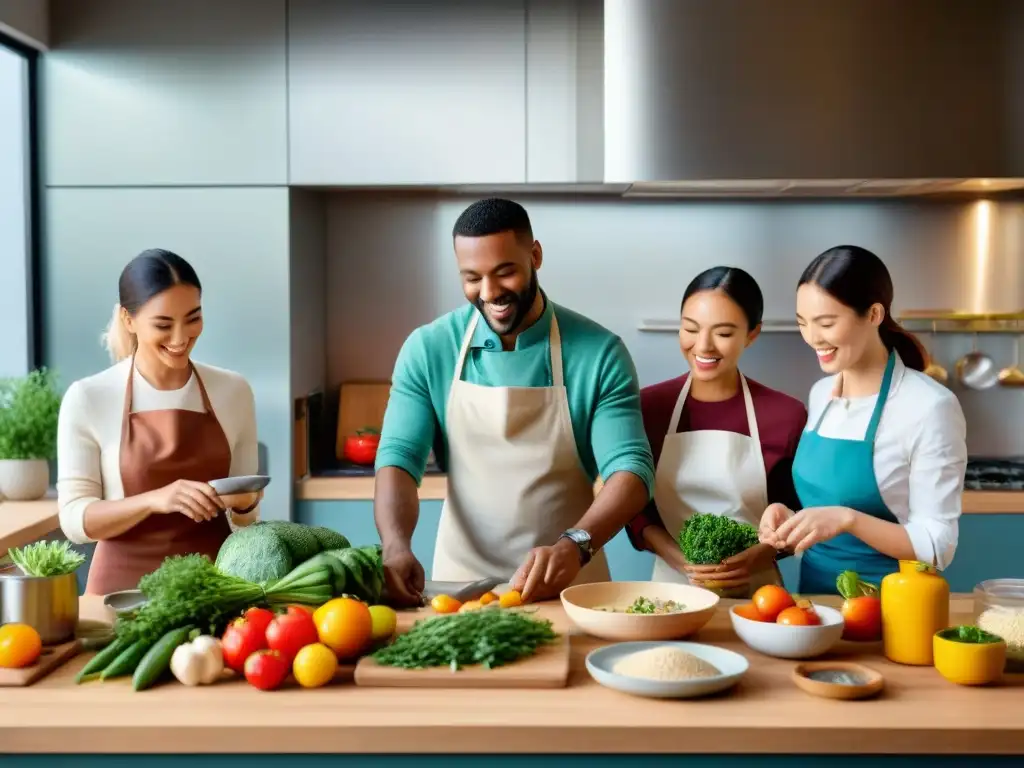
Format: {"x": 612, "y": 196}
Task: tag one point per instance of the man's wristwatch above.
{"x": 582, "y": 541}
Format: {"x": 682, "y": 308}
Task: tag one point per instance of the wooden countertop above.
{"x": 22, "y": 522}
{"x": 435, "y": 488}
{"x": 919, "y": 712}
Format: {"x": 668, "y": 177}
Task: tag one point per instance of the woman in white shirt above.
{"x": 879, "y": 470}
{"x": 139, "y": 442}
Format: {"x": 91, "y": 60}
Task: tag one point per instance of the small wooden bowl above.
{"x": 873, "y": 682}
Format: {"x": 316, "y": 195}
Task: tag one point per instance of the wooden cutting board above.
{"x": 548, "y": 668}
{"x": 52, "y": 657}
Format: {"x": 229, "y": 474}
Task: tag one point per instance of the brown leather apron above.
{"x": 158, "y": 448}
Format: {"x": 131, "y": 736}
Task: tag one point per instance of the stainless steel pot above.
{"x": 48, "y": 603}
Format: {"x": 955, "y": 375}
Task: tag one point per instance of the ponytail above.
{"x": 906, "y": 344}
{"x": 118, "y": 341}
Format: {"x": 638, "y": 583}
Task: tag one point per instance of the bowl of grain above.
{"x": 666, "y": 670}
{"x": 639, "y": 610}
{"x": 788, "y": 641}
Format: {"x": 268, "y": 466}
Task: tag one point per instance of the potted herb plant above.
{"x": 29, "y": 408}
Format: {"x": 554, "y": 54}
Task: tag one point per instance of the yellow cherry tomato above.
{"x": 445, "y": 604}
{"x": 384, "y": 621}
{"x": 470, "y": 605}
{"x": 314, "y": 665}
{"x": 488, "y": 598}
{"x": 510, "y": 599}
{"x": 20, "y": 646}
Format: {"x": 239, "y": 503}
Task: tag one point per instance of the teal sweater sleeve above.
{"x": 617, "y": 436}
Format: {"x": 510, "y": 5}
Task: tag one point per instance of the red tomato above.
{"x": 300, "y": 609}
{"x": 266, "y": 670}
{"x": 771, "y": 600}
{"x": 362, "y": 448}
{"x": 800, "y": 615}
{"x": 241, "y": 639}
{"x": 291, "y": 632}
{"x": 260, "y": 617}
{"x": 863, "y": 617}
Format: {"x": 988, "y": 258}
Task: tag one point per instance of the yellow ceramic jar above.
{"x": 968, "y": 663}
{"x": 915, "y": 605}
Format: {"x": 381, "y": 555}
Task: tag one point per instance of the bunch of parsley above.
{"x": 707, "y": 539}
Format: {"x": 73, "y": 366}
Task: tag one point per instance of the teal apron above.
{"x": 830, "y": 472}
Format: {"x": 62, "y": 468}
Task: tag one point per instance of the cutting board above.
{"x": 548, "y": 668}
{"x": 52, "y": 657}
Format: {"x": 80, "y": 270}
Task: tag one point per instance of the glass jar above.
{"x": 915, "y": 605}
{"x": 999, "y": 609}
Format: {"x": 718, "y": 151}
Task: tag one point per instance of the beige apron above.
{"x": 515, "y": 481}
{"x": 711, "y": 471}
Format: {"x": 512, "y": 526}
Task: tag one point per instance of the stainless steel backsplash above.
{"x": 391, "y": 268}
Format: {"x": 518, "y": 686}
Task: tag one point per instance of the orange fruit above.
{"x": 470, "y": 605}
{"x": 20, "y": 646}
{"x": 771, "y": 600}
{"x": 445, "y": 604}
{"x": 487, "y": 598}
{"x": 510, "y": 599}
{"x": 345, "y": 626}
{"x": 749, "y": 611}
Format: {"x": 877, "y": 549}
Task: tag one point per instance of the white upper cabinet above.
{"x": 156, "y": 93}
{"x": 391, "y": 92}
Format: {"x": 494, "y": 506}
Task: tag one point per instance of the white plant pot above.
{"x": 24, "y": 480}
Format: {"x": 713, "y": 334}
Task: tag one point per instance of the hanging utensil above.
{"x": 933, "y": 369}
{"x": 1013, "y": 376}
{"x": 976, "y": 370}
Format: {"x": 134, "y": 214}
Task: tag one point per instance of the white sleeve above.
{"x": 245, "y": 456}
{"x": 938, "y": 462}
{"x": 79, "y": 478}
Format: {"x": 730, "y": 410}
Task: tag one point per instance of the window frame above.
{"x": 35, "y": 203}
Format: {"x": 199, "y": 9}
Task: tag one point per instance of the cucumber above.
{"x": 126, "y": 660}
{"x": 99, "y": 662}
{"x": 158, "y": 658}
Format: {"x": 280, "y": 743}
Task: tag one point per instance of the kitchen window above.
{"x": 19, "y": 339}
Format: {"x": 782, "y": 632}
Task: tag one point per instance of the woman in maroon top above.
{"x": 722, "y": 443}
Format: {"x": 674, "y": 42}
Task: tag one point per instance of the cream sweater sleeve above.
{"x": 79, "y": 480}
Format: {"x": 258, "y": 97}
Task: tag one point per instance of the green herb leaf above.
{"x": 46, "y": 558}
{"x": 29, "y": 409}
{"x": 850, "y": 585}
{"x": 707, "y": 539}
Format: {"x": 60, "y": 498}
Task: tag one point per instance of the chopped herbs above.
{"x": 969, "y": 634}
{"x": 489, "y": 638}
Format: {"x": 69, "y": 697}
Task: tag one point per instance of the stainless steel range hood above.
{"x": 813, "y": 97}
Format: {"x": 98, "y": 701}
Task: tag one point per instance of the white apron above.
{"x": 712, "y": 471}
{"x": 515, "y": 481}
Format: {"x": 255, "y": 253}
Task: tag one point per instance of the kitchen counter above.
{"x": 435, "y": 487}
{"x": 918, "y": 713}
{"x": 22, "y": 522}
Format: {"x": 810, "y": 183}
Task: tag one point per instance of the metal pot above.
{"x": 48, "y": 603}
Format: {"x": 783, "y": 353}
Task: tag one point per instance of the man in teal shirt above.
{"x": 524, "y": 411}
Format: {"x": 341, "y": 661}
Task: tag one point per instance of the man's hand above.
{"x": 809, "y": 526}
{"x": 403, "y": 578}
{"x": 547, "y": 571}
{"x": 735, "y": 571}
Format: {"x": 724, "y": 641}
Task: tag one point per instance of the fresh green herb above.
{"x": 29, "y": 407}
{"x": 46, "y": 558}
{"x": 850, "y": 585}
{"x": 644, "y": 605}
{"x": 188, "y": 589}
{"x": 707, "y": 539}
{"x": 969, "y": 634}
{"x": 488, "y": 637}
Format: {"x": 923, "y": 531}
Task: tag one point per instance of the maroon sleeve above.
{"x": 657, "y": 403}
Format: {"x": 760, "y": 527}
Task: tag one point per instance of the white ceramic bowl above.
{"x": 790, "y": 642}
{"x": 583, "y": 601}
{"x": 732, "y": 665}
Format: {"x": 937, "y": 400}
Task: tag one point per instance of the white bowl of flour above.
{"x": 666, "y": 670}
